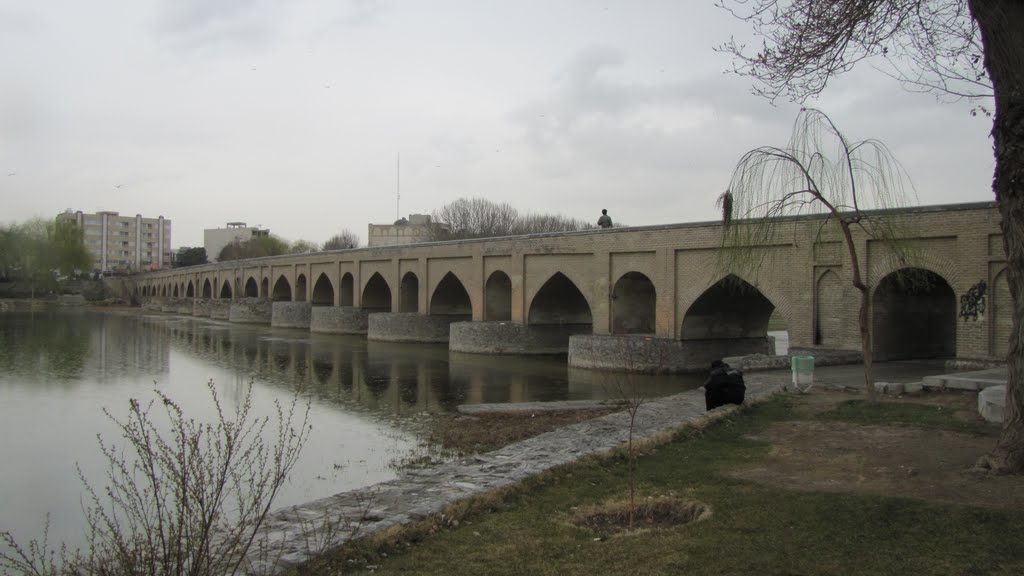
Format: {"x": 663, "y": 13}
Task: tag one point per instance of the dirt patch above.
{"x": 490, "y": 431}
{"x": 892, "y": 460}
{"x": 619, "y": 517}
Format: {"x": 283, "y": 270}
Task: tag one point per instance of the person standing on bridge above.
{"x": 605, "y": 221}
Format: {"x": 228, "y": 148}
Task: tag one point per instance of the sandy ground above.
{"x": 892, "y": 460}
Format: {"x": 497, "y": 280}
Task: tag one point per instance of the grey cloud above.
{"x": 204, "y": 23}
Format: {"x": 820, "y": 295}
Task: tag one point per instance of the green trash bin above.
{"x": 803, "y": 372}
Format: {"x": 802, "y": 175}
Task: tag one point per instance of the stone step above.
{"x": 977, "y": 380}
{"x": 992, "y": 402}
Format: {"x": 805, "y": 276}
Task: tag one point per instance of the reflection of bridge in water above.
{"x": 628, "y": 299}
{"x": 398, "y": 378}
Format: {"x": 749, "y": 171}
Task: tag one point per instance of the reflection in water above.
{"x": 59, "y": 370}
{"x": 401, "y": 378}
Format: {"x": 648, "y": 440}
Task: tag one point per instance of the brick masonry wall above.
{"x": 805, "y": 273}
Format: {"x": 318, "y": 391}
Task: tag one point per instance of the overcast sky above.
{"x": 291, "y": 114}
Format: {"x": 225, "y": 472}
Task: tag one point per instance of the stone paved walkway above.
{"x": 297, "y": 534}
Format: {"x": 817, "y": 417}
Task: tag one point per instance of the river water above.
{"x": 60, "y": 370}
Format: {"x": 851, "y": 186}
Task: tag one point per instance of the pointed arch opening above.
{"x": 207, "y": 289}
{"x": 175, "y": 290}
{"x": 559, "y": 302}
{"x": 225, "y": 290}
{"x": 282, "y": 290}
{"x": 251, "y": 289}
{"x": 634, "y": 305}
{"x": 265, "y": 288}
{"x": 190, "y": 292}
{"x": 376, "y": 294}
{"x": 323, "y": 291}
{"x": 300, "y": 289}
{"x": 829, "y": 306}
{"x": 347, "y": 290}
{"x": 409, "y": 293}
{"x": 913, "y": 316}
{"x": 498, "y": 297}
{"x": 450, "y": 298}
{"x": 163, "y": 291}
{"x": 731, "y": 308}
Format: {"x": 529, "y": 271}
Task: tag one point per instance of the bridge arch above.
{"x": 913, "y": 315}
{"x": 634, "y": 305}
{"x": 831, "y": 299}
{"x": 323, "y": 291}
{"x": 376, "y": 294}
{"x": 282, "y": 290}
{"x": 731, "y": 308}
{"x": 176, "y": 291}
{"x": 265, "y": 288}
{"x": 300, "y": 289}
{"x": 347, "y": 290}
{"x": 252, "y": 290}
{"x": 207, "y": 289}
{"x": 450, "y": 298}
{"x": 225, "y": 289}
{"x": 1001, "y": 314}
{"x": 409, "y": 293}
{"x": 560, "y": 302}
{"x": 190, "y": 292}
{"x": 498, "y": 297}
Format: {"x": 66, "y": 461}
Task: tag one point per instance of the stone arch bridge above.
{"x": 642, "y": 298}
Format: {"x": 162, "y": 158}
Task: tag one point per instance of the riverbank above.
{"x": 820, "y": 483}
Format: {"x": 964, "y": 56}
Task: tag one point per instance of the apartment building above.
{"x": 124, "y": 243}
{"x": 215, "y": 239}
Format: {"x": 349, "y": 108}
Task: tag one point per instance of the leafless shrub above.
{"x": 188, "y": 501}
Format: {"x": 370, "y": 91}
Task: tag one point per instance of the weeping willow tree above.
{"x": 820, "y": 172}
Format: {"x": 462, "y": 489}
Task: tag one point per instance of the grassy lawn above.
{"x": 753, "y": 529}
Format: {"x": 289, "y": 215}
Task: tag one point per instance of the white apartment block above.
{"x": 124, "y": 243}
{"x": 215, "y": 239}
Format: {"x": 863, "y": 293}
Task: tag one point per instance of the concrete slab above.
{"x": 977, "y": 380}
{"x": 557, "y": 406}
{"x": 992, "y": 402}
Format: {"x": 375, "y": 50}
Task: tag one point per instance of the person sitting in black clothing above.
{"x": 723, "y": 386}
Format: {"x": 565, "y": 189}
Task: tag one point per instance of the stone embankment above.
{"x": 416, "y": 494}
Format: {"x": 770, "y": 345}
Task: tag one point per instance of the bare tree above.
{"x": 473, "y": 218}
{"x": 819, "y": 171}
{"x": 953, "y": 48}
{"x": 480, "y": 218}
{"x": 303, "y": 247}
{"x": 540, "y": 223}
{"x": 343, "y": 240}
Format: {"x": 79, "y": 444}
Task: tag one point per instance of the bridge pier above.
{"x": 201, "y": 307}
{"x": 513, "y": 338}
{"x": 338, "y": 320}
{"x": 250, "y": 311}
{"x": 220, "y": 308}
{"x": 650, "y": 354}
{"x": 410, "y": 327}
{"x": 290, "y": 314}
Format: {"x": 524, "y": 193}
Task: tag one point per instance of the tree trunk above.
{"x": 862, "y": 315}
{"x": 1001, "y": 23}
{"x": 865, "y": 344}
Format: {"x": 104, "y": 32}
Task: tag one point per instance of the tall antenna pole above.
{"x": 398, "y": 187}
